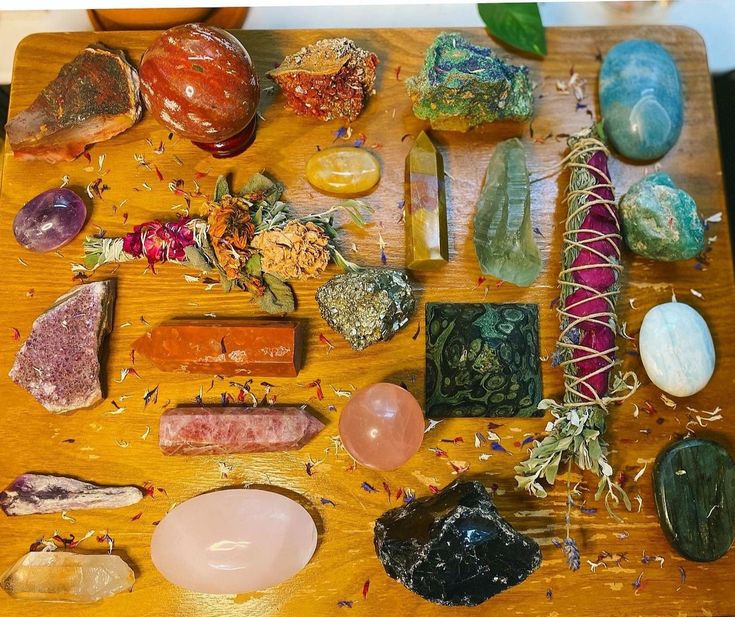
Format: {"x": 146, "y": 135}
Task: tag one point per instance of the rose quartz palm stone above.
{"x": 382, "y": 426}
{"x": 233, "y": 541}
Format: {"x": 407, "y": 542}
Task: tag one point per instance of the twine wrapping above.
{"x": 579, "y": 420}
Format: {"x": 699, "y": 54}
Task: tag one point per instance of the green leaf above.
{"x": 221, "y": 188}
{"x": 517, "y": 24}
{"x": 196, "y": 258}
{"x": 278, "y": 297}
{"x": 252, "y": 266}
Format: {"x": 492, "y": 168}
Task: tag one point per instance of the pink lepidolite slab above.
{"x": 233, "y": 541}
{"x": 235, "y": 430}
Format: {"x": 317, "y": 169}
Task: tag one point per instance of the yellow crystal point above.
{"x": 56, "y": 576}
{"x": 425, "y": 207}
{"x": 343, "y": 170}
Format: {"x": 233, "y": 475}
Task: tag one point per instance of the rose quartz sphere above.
{"x": 233, "y": 541}
{"x": 382, "y": 426}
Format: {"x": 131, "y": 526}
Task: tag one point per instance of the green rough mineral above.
{"x": 367, "y": 305}
{"x": 425, "y": 207}
{"x": 461, "y": 85}
{"x": 660, "y": 221}
{"x": 694, "y": 487}
{"x": 503, "y": 235}
{"x": 482, "y": 360}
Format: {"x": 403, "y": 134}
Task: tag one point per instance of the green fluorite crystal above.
{"x": 461, "y": 85}
{"x": 503, "y": 235}
{"x": 694, "y": 487}
{"x": 482, "y": 360}
{"x": 425, "y": 207}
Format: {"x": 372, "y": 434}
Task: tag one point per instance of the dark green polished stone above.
{"x": 694, "y": 487}
{"x": 482, "y": 360}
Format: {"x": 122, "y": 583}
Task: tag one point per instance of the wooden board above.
{"x": 90, "y": 443}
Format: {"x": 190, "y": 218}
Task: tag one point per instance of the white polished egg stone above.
{"x": 233, "y": 541}
{"x": 676, "y": 349}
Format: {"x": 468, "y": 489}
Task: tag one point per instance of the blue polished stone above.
{"x": 641, "y": 99}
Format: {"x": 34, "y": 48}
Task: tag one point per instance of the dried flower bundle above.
{"x": 586, "y": 348}
{"x": 249, "y": 239}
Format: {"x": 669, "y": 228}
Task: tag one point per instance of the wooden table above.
{"x": 108, "y": 446}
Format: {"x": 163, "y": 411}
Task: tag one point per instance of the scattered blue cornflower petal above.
{"x": 344, "y": 603}
{"x": 368, "y": 488}
{"x": 358, "y": 142}
{"x": 328, "y": 502}
{"x": 588, "y": 510}
{"x": 528, "y": 439}
{"x": 383, "y": 257}
{"x": 496, "y": 446}
{"x": 224, "y": 399}
{"x": 340, "y": 132}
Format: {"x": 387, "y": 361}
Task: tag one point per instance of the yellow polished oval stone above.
{"x": 344, "y": 170}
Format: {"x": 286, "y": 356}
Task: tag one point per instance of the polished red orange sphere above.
{"x": 200, "y": 83}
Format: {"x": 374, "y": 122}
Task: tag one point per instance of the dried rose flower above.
{"x": 231, "y": 231}
{"x": 298, "y": 251}
{"x": 159, "y": 242}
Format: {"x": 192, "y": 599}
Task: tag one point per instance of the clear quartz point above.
{"x": 57, "y": 576}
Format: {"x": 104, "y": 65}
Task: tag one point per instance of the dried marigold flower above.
{"x": 231, "y": 231}
{"x": 297, "y": 251}
{"x": 329, "y": 79}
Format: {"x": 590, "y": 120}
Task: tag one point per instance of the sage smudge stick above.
{"x": 589, "y": 282}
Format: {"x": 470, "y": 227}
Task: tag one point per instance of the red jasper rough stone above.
{"x": 200, "y": 82}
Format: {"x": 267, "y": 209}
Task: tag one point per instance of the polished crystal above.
{"x": 343, "y": 170}
{"x": 425, "y": 207}
{"x": 49, "y": 220}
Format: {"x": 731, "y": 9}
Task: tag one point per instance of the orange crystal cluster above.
{"x": 329, "y": 79}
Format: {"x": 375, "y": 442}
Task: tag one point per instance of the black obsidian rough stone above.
{"x": 694, "y": 486}
{"x": 454, "y": 548}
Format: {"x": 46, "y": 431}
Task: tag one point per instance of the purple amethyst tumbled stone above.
{"x": 49, "y": 220}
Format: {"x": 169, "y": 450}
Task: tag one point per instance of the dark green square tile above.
{"x": 482, "y": 360}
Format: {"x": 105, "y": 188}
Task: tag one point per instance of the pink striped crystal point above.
{"x": 235, "y": 430}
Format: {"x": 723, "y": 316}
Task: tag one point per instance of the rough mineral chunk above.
{"x": 34, "y": 493}
{"x": 67, "y": 577}
{"x": 235, "y": 430}
{"x": 427, "y": 243}
{"x": 366, "y": 306}
{"x": 461, "y": 86}
{"x": 329, "y": 79}
{"x": 503, "y": 234}
{"x": 59, "y": 363}
{"x": 454, "y": 548}
{"x": 660, "y": 221}
{"x": 93, "y": 98}
{"x": 231, "y": 347}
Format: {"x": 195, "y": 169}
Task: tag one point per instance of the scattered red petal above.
{"x": 158, "y": 173}
{"x": 649, "y": 408}
{"x": 365, "y": 587}
{"x": 317, "y": 383}
{"x": 16, "y": 334}
{"x": 137, "y": 516}
{"x": 88, "y": 156}
{"x": 323, "y": 339}
{"x": 398, "y": 73}
{"x": 201, "y": 174}
{"x": 399, "y": 492}
{"x": 433, "y": 489}
{"x": 499, "y": 283}
{"x": 480, "y": 280}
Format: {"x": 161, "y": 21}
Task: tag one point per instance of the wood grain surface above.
{"x": 108, "y": 446}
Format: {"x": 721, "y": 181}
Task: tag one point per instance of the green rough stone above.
{"x": 503, "y": 233}
{"x": 461, "y": 85}
{"x": 482, "y": 360}
{"x": 694, "y": 487}
{"x": 660, "y": 221}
